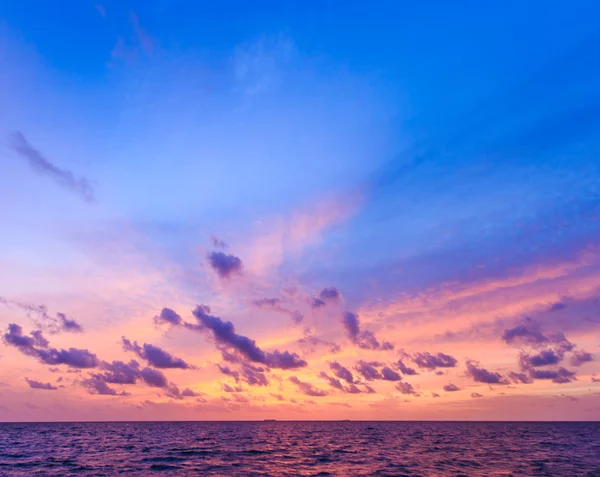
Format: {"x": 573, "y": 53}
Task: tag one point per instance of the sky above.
{"x": 299, "y": 210}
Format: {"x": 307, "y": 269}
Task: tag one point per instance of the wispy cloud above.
{"x": 63, "y": 177}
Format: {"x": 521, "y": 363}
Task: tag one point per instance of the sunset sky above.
{"x": 299, "y": 210}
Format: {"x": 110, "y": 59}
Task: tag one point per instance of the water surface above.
{"x": 301, "y": 449}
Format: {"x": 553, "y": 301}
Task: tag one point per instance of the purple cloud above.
{"x": 333, "y": 382}
{"x": 546, "y": 357}
{"x": 155, "y": 356}
{"x": 168, "y": 316}
{"x": 39, "y": 385}
{"x": 581, "y": 357}
{"x": 404, "y": 369}
{"x": 341, "y": 372}
{"x": 218, "y": 243}
{"x": 367, "y": 371}
{"x": 405, "y": 388}
{"x": 224, "y": 265}
{"x": 451, "y": 388}
{"x": 308, "y": 388}
{"x": 67, "y": 324}
{"x": 363, "y": 339}
{"x": 559, "y": 376}
{"x": 95, "y": 385}
{"x": 429, "y": 361}
{"x": 476, "y": 395}
{"x": 42, "y": 166}
{"x": 390, "y": 375}
{"x": 329, "y": 294}
{"x": 225, "y": 335}
{"x": 521, "y": 378}
{"x": 37, "y": 346}
{"x": 481, "y": 375}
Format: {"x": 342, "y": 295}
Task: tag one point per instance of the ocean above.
{"x": 300, "y": 449}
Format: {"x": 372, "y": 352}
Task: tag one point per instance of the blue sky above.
{"x": 435, "y": 163}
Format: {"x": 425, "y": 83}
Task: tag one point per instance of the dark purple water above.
{"x": 301, "y": 449}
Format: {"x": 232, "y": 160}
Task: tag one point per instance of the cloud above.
{"x": 333, "y": 382}
{"x": 37, "y": 346}
{"x": 405, "y": 388}
{"x": 67, "y": 324}
{"x": 367, "y": 371}
{"x": 529, "y": 333}
{"x": 119, "y": 372}
{"x": 481, "y": 375}
{"x": 174, "y": 392}
{"x": 581, "y": 357}
{"x": 218, "y": 243}
{"x": 390, "y": 375}
{"x": 275, "y": 304}
{"x": 168, "y": 316}
{"x": 559, "y": 376}
{"x": 341, "y": 372}
{"x": 155, "y": 356}
{"x": 225, "y": 335}
{"x": 363, "y": 339}
{"x": 435, "y": 395}
{"x": 308, "y": 388}
{"x": 252, "y": 375}
{"x": 310, "y": 343}
{"x": 228, "y": 389}
{"x": 224, "y": 265}
{"x": 521, "y": 378}
{"x": 39, "y": 385}
{"x": 95, "y": 385}
{"x": 476, "y": 395}
{"x": 546, "y": 357}
{"x": 41, "y": 165}
{"x": 428, "y": 361}
{"x": 329, "y": 294}
{"x": 451, "y": 388}
{"x": 45, "y": 320}
{"x": 399, "y": 365}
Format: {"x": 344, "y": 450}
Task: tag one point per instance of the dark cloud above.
{"x": 225, "y": 335}
{"x": 435, "y": 395}
{"x": 224, "y": 265}
{"x": 41, "y": 165}
{"x": 168, "y": 316}
{"x": 317, "y": 303}
{"x": 341, "y": 372}
{"x": 429, "y": 361}
{"x": 476, "y": 395}
{"x": 363, "y": 339}
{"x": 521, "y": 378}
{"x": 390, "y": 375}
{"x": 451, "y": 388}
{"x": 405, "y": 388}
{"x": 367, "y": 371}
{"x": 559, "y": 376}
{"x": 155, "y": 356}
{"x": 308, "y": 388}
{"x": 369, "y": 389}
{"x": 481, "y": 375}
{"x": 547, "y": 357}
{"x": 399, "y": 365}
{"x": 581, "y": 357}
{"x": 39, "y": 385}
{"x": 95, "y": 385}
{"x": 37, "y": 346}
{"x": 333, "y": 382}
{"x": 330, "y": 294}
{"x": 119, "y": 372}
{"x": 154, "y": 378}
{"x": 353, "y": 389}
